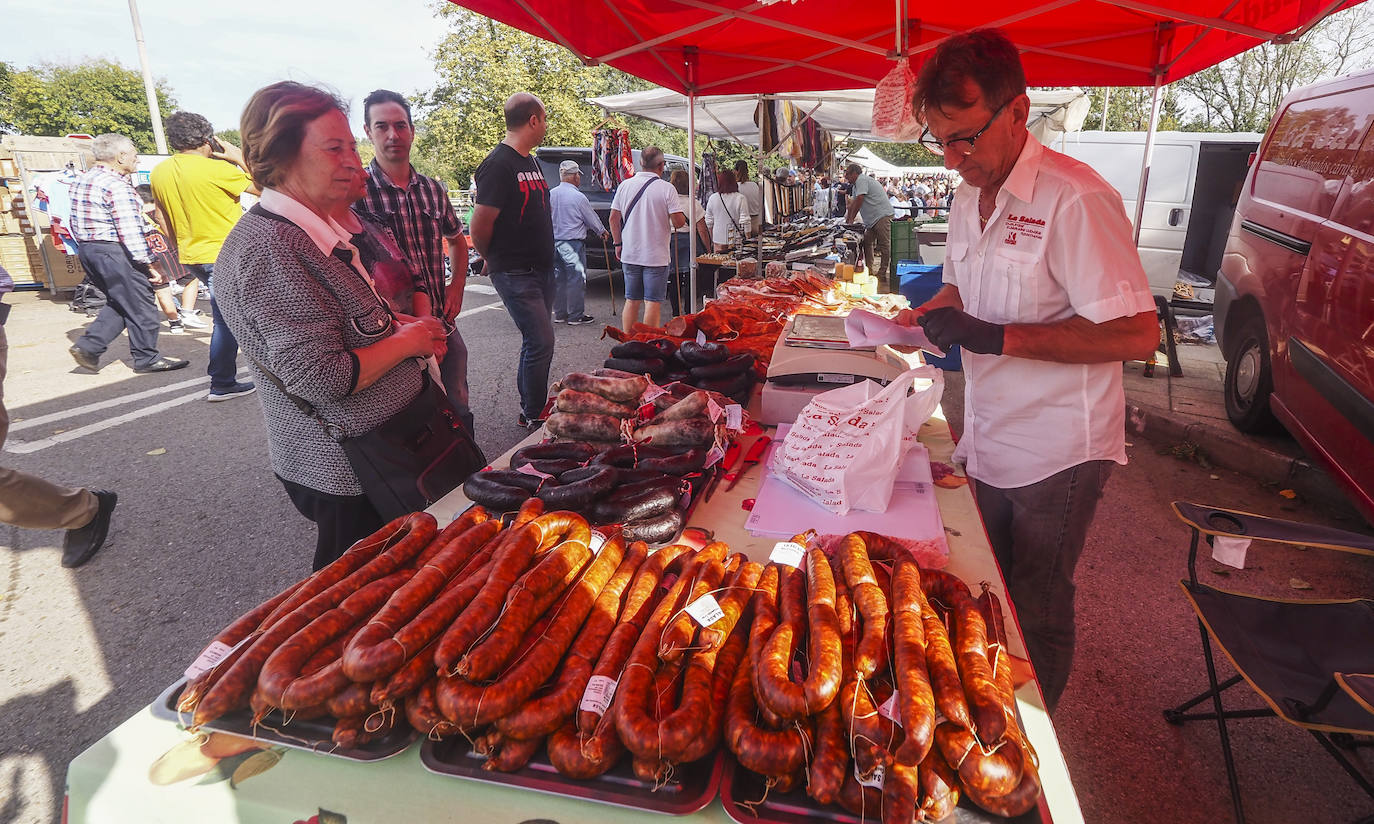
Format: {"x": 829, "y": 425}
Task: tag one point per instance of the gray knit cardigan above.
{"x": 269, "y": 283}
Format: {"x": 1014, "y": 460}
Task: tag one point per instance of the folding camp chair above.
{"x": 1311, "y": 661}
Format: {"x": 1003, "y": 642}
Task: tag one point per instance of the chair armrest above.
{"x": 1214, "y": 521}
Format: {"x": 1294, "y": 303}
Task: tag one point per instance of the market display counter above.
{"x": 116, "y": 778}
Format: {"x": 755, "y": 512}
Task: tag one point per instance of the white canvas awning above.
{"x": 846, "y": 113}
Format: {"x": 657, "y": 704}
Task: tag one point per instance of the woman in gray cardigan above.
{"x": 290, "y": 286}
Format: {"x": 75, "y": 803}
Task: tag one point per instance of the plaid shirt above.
{"x": 105, "y": 206}
{"x": 419, "y": 217}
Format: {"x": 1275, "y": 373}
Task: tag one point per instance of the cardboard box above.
{"x": 66, "y": 269}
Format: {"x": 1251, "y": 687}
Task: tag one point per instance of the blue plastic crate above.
{"x": 918, "y": 284}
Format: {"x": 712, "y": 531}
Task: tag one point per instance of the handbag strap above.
{"x": 638, "y": 195}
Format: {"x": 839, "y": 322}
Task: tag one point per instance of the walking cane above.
{"x": 610, "y": 274}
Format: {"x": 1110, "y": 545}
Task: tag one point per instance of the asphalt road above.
{"x": 203, "y": 532}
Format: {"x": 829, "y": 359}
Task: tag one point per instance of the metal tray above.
{"x": 307, "y": 735}
{"x": 796, "y": 807}
{"x": 694, "y": 785}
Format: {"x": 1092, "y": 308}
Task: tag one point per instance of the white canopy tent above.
{"x": 846, "y": 113}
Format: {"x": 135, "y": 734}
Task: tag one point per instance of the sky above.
{"x": 214, "y": 55}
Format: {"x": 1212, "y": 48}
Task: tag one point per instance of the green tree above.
{"x": 1130, "y": 109}
{"x": 94, "y": 97}
{"x": 230, "y": 136}
{"x": 6, "y": 94}
{"x": 481, "y": 63}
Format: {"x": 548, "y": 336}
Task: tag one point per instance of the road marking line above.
{"x": 470, "y": 312}
{"x": 29, "y": 423}
{"x": 26, "y": 447}
{"x": 480, "y": 289}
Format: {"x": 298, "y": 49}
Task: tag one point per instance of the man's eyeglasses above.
{"x": 961, "y": 145}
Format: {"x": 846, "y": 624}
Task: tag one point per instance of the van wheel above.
{"x": 1249, "y": 380}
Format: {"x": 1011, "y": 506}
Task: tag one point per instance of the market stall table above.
{"x": 113, "y": 779}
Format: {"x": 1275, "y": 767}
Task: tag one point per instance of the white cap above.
{"x": 569, "y": 167}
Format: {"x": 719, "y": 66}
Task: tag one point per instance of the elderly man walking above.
{"x": 573, "y": 219}
{"x": 868, "y": 200}
{"x": 645, "y": 209}
{"x": 107, "y": 221}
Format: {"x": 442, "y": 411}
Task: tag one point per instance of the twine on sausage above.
{"x": 382, "y": 712}
{"x": 769, "y": 782}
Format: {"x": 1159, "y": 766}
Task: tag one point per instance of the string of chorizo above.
{"x": 971, "y": 654}
{"x": 776, "y": 690}
{"x": 915, "y": 699}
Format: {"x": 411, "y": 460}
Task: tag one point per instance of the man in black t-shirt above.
{"x": 512, "y": 228}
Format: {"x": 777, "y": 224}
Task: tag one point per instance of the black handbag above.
{"x": 410, "y": 460}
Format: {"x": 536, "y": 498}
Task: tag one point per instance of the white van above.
{"x": 1195, "y": 180}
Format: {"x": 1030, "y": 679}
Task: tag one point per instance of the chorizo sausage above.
{"x": 901, "y": 786}
{"x": 738, "y": 591}
{"x": 623, "y": 390}
{"x": 571, "y": 400}
{"x": 822, "y": 683}
{"x": 939, "y": 786}
{"x": 971, "y": 655}
{"x": 690, "y": 432}
{"x": 681, "y": 629}
{"x": 583, "y": 426}
{"x": 512, "y": 754}
{"x": 728, "y": 661}
{"x": 581, "y": 757}
{"x": 916, "y": 700}
{"x": 764, "y": 751}
{"x": 984, "y": 773}
{"x": 509, "y": 561}
{"x": 861, "y": 800}
{"x": 423, "y": 714}
{"x": 870, "y": 653}
{"x": 354, "y": 700}
{"x": 944, "y": 673}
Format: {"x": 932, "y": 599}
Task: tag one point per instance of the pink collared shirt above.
{"x": 1058, "y": 244}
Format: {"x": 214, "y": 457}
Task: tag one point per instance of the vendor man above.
{"x": 868, "y": 200}
{"x": 1046, "y": 294}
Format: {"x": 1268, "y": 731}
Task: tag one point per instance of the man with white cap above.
{"x": 573, "y": 220}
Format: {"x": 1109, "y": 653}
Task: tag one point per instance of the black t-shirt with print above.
{"x": 523, "y": 235}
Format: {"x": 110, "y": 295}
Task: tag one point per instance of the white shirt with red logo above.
{"x": 1058, "y": 244}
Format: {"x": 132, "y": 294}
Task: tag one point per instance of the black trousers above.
{"x": 341, "y": 519}
{"x": 129, "y": 302}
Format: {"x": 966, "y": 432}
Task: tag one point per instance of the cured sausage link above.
{"x": 870, "y": 654}
{"x": 510, "y": 560}
{"x": 916, "y": 700}
{"x": 971, "y": 654}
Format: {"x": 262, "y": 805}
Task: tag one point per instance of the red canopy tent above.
{"x": 742, "y": 47}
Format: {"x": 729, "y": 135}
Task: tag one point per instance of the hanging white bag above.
{"x": 846, "y": 447}
{"x": 892, "y": 114}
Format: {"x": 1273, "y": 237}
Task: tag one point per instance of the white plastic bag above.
{"x": 847, "y": 445}
{"x": 893, "y": 117}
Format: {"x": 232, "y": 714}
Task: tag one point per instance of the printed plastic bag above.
{"x": 892, "y": 114}
{"x": 847, "y": 445}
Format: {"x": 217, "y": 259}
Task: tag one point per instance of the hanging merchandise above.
{"x": 707, "y": 185}
{"x": 766, "y": 118}
{"x": 892, "y": 114}
{"x": 611, "y": 158}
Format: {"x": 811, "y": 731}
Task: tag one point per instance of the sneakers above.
{"x": 163, "y": 364}
{"x": 80, "y": 544}
{"x": 528, "y": 424}
{"x": 85, "y": 359}
{"x": 190, "y": 321}
{"x": 174, "y": 327}
{"x": 238, "y": 390}
{"x": 557, "y": 319}
{"x": 580, "y": 321}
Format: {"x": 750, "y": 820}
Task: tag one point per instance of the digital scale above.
{"x": 813, "y": 355}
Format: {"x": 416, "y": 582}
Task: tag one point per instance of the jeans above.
{"x": 528, "y": 296}
{"x": 645, "y": 282}
{"x": 878, "y": 240}
{"x": 129, "y": 303}
{"x": 453, "y": 369}
{"x": 570, "y": 274}
{"x": 1037, "y": 533}
{"x": 224, "y": 347}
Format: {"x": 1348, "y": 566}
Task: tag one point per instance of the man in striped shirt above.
{"x": 419, "y": 214}
{"x": 107, "y": 222}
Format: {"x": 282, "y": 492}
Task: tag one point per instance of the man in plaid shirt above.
{"x": 107, "y": 222}
{"x": 419, "y": 214}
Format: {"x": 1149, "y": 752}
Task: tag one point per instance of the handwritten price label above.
{"x": 713, "y": 409}
{"x": 713, "y": 457}
{"x": 889, "y": 709}
{"x": 705, "y": 610}
{"x": 598, "y": 694}
{"x": 734, "y": 417}
{"x": 529, "y": 469}
{"x": 789, "y": 553}
{"x": 212, "y": 655}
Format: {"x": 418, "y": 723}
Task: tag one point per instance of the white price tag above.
{"x": 789, "y": 553}
{"x": 705, "y": 610}
{"x": 889, "y": 709}
{"x": 713, "y": 409}
{"x": 529, "y": 469}
{"x": 1230, "y": 551}
{"x": 212, "y": 655}
{"x": 654, "y": 391}
{"x": 701, "y": 337}
{"x": 598, "y": 541}
{"x": 597, "y": 697}
{"x": 713, "y": 457}
{"x": 734, "y": 417}
{"x": 874, "y": 780}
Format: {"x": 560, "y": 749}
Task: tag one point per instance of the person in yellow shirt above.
{"x": 197, "y": 190}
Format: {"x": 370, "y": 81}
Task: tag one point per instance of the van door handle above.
{"x": 1175, "y": 217}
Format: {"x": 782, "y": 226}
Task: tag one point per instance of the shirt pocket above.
{"x": 374, "y": 322}
{"x": 1009, "y": 293}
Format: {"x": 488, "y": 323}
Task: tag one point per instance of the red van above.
{"x": 1295, "y": 297}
